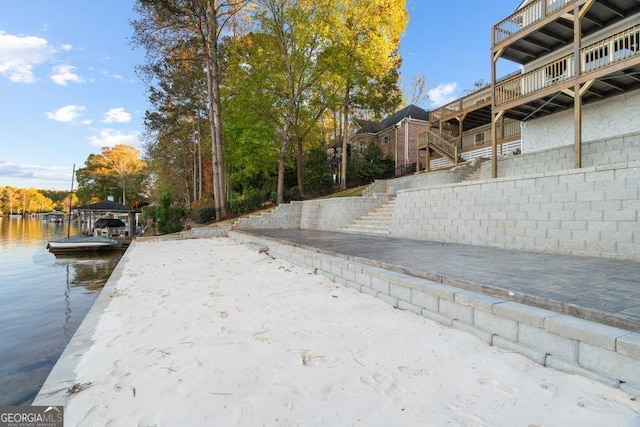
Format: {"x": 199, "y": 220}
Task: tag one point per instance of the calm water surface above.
{"x": 43, "y": 300}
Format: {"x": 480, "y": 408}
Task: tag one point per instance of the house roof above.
{"x": 109, "y": 222}
{"x": 410, "y": 111}
{"x": 523, "y": 4}
{"x": 105, "y": 206}
{"x": 367, "y": 126}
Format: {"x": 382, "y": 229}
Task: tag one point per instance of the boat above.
{"x": 83, "y": 245}
{"x": 108, "y": 228}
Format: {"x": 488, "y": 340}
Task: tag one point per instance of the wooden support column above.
{"x": 577, "y": 96}
{"x": 494, "y": 142}
{"x": 502, "y": 134}
{"x": 428, "y": 159}
{"x": 460, "y": 130}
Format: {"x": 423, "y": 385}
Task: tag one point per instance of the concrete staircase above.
{"x": 475, "y": 170}
{"x": 376, "y": 222}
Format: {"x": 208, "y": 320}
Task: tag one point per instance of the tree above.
{"x": 365, "y": 35}
{"x": 9, "y": 200}
{"x": 174, "y": 144}
{"x": 93, "y": 183}
{"x": 418, "y": 92}
{"x": 251, "y": 113}
{"x": 124, "y": 163}
{"x": 368, "y": 165}
{"x": 381, "y": 94}
{"x": 317, "y": 176}
{"x": 477, "y": 85}
{"x": 164, "y": 27}
{"x": 168, "y": 217}
{"x": 294, "y": 28}
{"x": 117, "y": 167}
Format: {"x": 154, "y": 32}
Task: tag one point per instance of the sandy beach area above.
{"x": 210, "y": 332}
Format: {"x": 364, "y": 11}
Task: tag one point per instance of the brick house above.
{"x": 397, "y": 135}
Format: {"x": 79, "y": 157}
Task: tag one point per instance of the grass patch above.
{"x": 349, "y": 192}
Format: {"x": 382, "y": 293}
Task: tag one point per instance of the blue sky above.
{"x": 68, "y": 85}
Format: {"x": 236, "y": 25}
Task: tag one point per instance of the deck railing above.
{"x": 525, "y": 17}
{"x": 441, "y": 145}
{"x": 461, "y": 104}
{"x": 611, "y": 50}
{"x": 598, "y": 55}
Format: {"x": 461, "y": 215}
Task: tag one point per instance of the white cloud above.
{"x": 38, "y": 176}
{"x": 443, "y": 94}
{"x": 112, "y": 137}
{"x": 63, "y": 74}
{"x": 66, "y": 114}
{"x": 117, "y": 115}
{"x": 19, "y": 55}
{"x": 109, "y": 74}
{"x": 66, "y": 47}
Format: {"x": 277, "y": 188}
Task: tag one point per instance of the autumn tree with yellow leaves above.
{"x": 118, "y": 168}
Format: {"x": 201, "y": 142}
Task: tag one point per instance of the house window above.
{"x": 479, "y": 138}
{"x": 385, "y": 139}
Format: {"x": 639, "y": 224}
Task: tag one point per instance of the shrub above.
{"x": 317, "y": 177}
{"x": 168, "y": 217}
{"x": 203, "y": 214}
{"x": 148, "y": 212}
{"x": 293, "y": 193}
{"x": 249, "y": 200}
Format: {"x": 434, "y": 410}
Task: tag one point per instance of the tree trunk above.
{"x": 281, "y": 161}
{"x": 345, "y": 133}
{"x": 299, "y": 162}
{"x": 213, "y": 92}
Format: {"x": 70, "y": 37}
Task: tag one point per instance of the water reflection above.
{"x": 43, "y": 300}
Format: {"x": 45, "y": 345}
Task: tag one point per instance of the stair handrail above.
{"x": 443, "y": 146}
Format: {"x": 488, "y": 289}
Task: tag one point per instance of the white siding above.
{"x": 609, "y": 118}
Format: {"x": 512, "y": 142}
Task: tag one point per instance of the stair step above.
{"x": 376, "y": 217}
{"x": 376, "y": 222}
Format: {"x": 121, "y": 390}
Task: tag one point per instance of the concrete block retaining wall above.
{"x": 584, "y": 212}
{"x": 321, "y": 214}
{"x": 392, "y": 186}
{"x": 592, "y": 211}
{"x": 284, "y": 216}
{"x": 621, "y": 149}
{"x": 603, "y": 353}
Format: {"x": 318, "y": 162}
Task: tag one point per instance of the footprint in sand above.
{"x": 463, "y": 418}
{"x": 311, "y": 359}
{"x": 114, "y": 341}
{"x": 96, "y": 415}
{"x": 497, "y": 385}
{"x": 601, "y": 405}
{"x": 549, "y": 387}
{"x": 413, "y": 372}
{"x": 302, "y": 334}
{"x": 119, "y": 368}
{"x": 383, "y": 384}
{"x": 143, "y": 351}
{"x": 263, "y": 339}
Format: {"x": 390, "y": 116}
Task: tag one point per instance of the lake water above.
{"x": 43, "y": 300}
